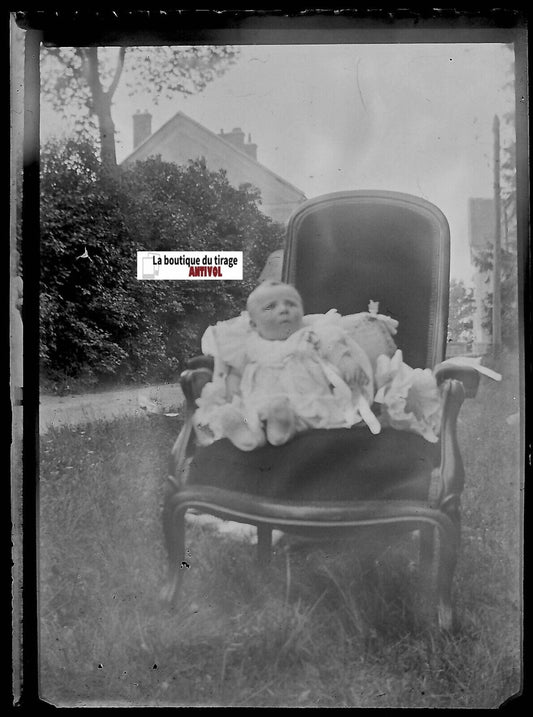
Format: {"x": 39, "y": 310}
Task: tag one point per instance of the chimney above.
{"x": 142, "y": 127}
{"x": 250, "y": 148}
{"x": 236, "y": 138}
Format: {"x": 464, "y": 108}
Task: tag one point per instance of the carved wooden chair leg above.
{"x": 174, "y": 518}
{"x": 448, "y": 550}
{"x": 174, "y": 532}
{"x": 428, "y": 570}
{"x": 264, "y": 544}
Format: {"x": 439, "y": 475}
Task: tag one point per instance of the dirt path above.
{"x": 74, "y": 410}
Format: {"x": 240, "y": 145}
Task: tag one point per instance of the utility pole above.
{"x": 496, "y": 271}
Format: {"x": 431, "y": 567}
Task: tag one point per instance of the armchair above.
{"x": 342, "y": 250}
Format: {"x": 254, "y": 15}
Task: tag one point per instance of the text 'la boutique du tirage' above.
{"x": 190, "y": 265}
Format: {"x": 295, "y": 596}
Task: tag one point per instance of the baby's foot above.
{"x": 236, "y": 428}
{"x": 280, "y": 423}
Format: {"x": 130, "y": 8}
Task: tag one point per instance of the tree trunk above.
{"x": 108, "y": 154}
{"x": 101, "y": 105}
{"x": 496, "y": 295}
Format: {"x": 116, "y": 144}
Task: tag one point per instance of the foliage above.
{"x": 84, "y": 303}
{"x": 81, "y": 82}
{"x": 508, "y": 257}
{"x": 461, "y": 310}
{"x": 97, "y": 320}
{"x": 508, "y": 289}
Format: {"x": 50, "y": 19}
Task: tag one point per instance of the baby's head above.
{"x": 275, "y": 310}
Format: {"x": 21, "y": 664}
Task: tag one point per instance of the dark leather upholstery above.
{"x": 349, "y": 248}
{"x": 326, "y": 465}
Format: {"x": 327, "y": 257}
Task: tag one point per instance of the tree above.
{"x": 461, "y": 311}
{"x": 508, "y": 254}
{"x": 509, "y": 286}
{"x": 508, "y": 166}
{"x": 81, "y": 82}
{"x": 98, "y": 321}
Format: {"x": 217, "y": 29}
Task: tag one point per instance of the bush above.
{"x": 509, "y": 293}
{"x": 98, "y": 321}
{"x": 461, "y": 311}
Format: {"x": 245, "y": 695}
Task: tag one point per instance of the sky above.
{"x": 409, "y": 118}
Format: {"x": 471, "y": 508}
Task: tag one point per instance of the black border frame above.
{"x": 226, "y": 26}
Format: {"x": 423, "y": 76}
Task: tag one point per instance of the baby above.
{"x": 277, "y": 373}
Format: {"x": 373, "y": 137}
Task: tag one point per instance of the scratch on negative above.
{"x": 358, "y": 85}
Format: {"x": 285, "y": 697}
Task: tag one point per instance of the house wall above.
{"x": 182, "y": 139}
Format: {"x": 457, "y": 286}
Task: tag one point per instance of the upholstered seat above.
{"x": 323, "y": 465}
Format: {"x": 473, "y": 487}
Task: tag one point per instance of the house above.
{"x": 182, "y": 139}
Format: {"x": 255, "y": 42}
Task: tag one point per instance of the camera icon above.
{"x": 149, "y": 268}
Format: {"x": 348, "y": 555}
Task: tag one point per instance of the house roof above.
{"x": 180, "y": 118}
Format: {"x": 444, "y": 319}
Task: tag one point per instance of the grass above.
{"x": 329, "y": 626}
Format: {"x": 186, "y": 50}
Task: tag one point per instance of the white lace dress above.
{"x": 301, "y": 368}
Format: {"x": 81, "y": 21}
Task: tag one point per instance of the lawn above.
{"x": 328, "y": 626}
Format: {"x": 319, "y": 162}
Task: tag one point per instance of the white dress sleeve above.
{"x": 226, "y": 341}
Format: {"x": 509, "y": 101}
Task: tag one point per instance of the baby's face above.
{"x": 276, "y": 312}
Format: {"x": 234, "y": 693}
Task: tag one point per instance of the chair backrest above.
{"x": 347, "y": 248}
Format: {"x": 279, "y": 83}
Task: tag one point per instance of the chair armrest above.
{"x": 201, "y": 362}
{"x": 450, "y": 475}
{"x": 467, "y": 375}
{"x": 192, "y": 382}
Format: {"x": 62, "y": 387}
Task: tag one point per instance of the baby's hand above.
{"x": 348, "y": 368}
